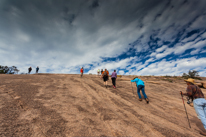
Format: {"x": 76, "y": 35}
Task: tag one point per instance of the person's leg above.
{"x": 143, "y": 92}
{"x": 104, "y": 81}
{"x": 138, "y": 92}
{"x": 199, "y": 105}
{"x": 114, "y": 82}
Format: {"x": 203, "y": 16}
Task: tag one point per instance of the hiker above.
{"x": 98, "y": 71}
{"x": 105, "y": 76}
{"x": 37, "y": 69}
{"x": 82, "y": 71}
{"x": 29, "y": 70}
{"x": 101, "y": 71}
{"x": 140, "y": 86}
{"x": 199, "y": 102}
{"x": 114, "y": 77}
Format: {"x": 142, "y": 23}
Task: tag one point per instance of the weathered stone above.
{"x": 204, "y": 84}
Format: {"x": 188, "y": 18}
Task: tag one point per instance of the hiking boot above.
{"x": 203, "y": 133}
{"x": 147, "y": 100}
{"x": 140, "y": 99}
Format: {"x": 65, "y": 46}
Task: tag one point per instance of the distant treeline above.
{"x": 8, "y": 70}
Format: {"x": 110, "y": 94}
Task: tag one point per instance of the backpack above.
{"x": 105, "y": 73}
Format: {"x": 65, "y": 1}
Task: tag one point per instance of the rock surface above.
{"x": 204, "y": 84}
{"x": 67, "y": 105}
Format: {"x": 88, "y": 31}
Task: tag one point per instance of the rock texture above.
{"x": 67, "y": 105}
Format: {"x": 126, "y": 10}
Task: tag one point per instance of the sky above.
{"x": 135, "y": 37}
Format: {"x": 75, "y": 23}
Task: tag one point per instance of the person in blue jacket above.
{"x": 140, "y": 86}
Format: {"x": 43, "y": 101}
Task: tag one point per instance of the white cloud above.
{"x": 149, "y": 60}
{"x": 203, "y": 51}
{"x": 180, "y": 48}
{"x": 190, "y": 38}
{"x": 200, "y": 44}
{"x": 121, "y": 72}
{"x": 111, "y": 65}
{"x": 173, "y": 67}
{"x": 194, "y": 52}
{"x": 203, "y": 35}
{"x": 161, "y": 48}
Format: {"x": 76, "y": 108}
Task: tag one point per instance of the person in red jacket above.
{"x": 82, "y": 71}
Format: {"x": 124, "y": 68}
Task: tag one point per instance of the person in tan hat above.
{"x": 199, "y": 102}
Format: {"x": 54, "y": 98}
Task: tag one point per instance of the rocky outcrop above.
{"x": 204, "y": 84}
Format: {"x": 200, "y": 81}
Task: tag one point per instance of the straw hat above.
{"x": 190, "y": 80}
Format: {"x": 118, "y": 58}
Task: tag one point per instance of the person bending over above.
{"x": 140, "y": 86}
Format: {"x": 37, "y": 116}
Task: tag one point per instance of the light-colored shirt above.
{"x": 114, "y": 75}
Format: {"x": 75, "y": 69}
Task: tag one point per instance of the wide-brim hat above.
{"x": 190, "y": 80}
{"x": 135, "y": 77}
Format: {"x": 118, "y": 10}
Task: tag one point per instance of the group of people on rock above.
{"x": 105, "y": 76}
{"x": 192, "y": 91}
{"x": 30, "y": 69}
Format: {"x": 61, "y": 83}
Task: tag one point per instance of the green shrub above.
{"x": 191, "y": 74}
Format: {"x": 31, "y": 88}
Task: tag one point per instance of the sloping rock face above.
{"x": 199, "y": 84}
{"x": 204, "y": 84}
{"x": 68, "y": 105}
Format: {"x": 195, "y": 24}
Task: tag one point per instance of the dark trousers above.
{"x": 114, "y": 81}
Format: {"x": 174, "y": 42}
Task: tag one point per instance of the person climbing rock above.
{"x": 114, "y": 77}
{"x": 98, "y": 71}
{"x": 140, "y": 86}
{"x": 37, "y": 69}
{"x": 199, "y": 102}
{"x": 29, "y": 70}
{"x": 105, "y": 76}
{"x": 82, "y": 71}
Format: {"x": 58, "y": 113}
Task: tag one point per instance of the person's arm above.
{"x": 188, "y": 91}
{"x": 134, "y": 80}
